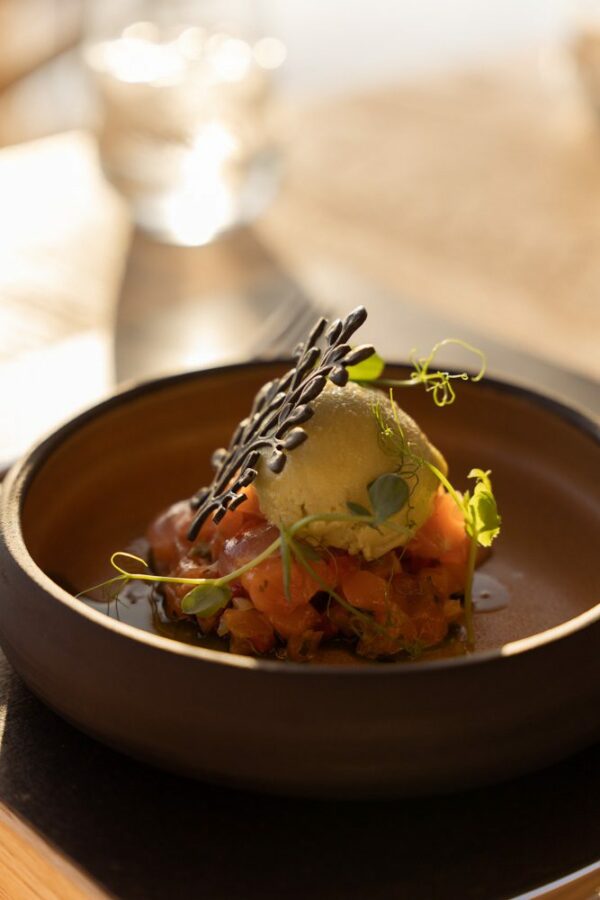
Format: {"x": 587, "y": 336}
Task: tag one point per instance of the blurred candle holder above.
{"x": 185, "y": 125}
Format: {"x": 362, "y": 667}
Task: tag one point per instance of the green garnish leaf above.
{"x": 388, "y": 494}
{"x": 483, "y": 477}
{"x": 483, "y": 517}
{"x": 357, "y": 509}
{"x": 482, "y": 524}
{"x": 205, "y": 600}
{"x": 368, "y": 370}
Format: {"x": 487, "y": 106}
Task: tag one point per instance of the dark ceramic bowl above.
{"x": 529, "y": 695}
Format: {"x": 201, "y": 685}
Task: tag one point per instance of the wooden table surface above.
{"x": 500, "y": 230}
{"x": 498, "y": 234}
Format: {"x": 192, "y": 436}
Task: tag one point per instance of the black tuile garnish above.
{"x": 279, "y": 410}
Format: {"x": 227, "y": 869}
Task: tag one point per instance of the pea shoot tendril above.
{"x": 439, "y": 383}
{"x": 208, "y": 596}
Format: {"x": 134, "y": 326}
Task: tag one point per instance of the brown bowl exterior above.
{"x": 529, "y": 696}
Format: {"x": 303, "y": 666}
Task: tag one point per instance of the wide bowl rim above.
{"x": 13, "y": 491}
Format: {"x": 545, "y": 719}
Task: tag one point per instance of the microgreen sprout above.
{"x": 439, "y": 383}
{"x": 482, "y": 525}
{"x": 206, "y": 597}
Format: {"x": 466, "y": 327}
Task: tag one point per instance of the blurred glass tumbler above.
{"x": 585, "y": 46}
{"x": 185, "y": 130}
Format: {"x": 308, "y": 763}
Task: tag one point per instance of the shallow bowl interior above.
{"x": 103, "y": 481}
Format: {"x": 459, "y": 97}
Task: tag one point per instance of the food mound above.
{"x": 330, "y": 518}
{"x": 400, "y": 602}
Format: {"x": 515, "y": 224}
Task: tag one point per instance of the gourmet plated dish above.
{"x": 330, "y": 531}
{"x": 330, "y": 520}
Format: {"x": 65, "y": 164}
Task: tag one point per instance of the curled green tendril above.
{"x": 438, "y": 383}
